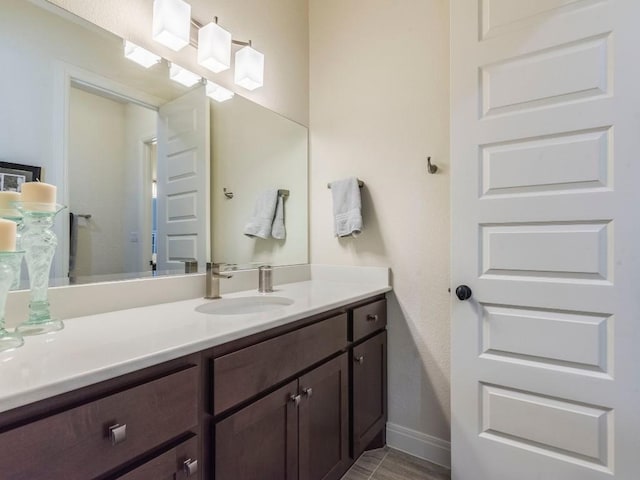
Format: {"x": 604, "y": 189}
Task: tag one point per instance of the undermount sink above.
{"x": 243, "y": 305}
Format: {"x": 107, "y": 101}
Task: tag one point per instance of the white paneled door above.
{"x": 546, "y": 235}
{"x": 183, "y": 181}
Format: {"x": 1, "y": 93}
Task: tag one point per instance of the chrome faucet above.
{"x": 212, "y": 282}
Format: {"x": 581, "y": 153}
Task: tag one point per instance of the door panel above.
{"x": 369, "y": 391}
{"x": 545, "y": 135}
{"x": 324, "y": 421}
{"x": 183, "y": 181}
{"x": 261, "y": 440}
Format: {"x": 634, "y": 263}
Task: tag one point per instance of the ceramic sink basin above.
{"x": 243, "y": 305}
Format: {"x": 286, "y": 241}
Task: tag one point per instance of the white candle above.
{"x": 7, "y": 209}
{"x": 7, "y": 235}
{"x": 38, "y": 192}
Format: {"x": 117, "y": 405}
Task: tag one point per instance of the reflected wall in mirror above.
{"x": 63, "y": 75}
{"x": 254, "y": 150}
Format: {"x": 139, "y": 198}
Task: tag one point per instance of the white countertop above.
{"x": 94, "y": 348}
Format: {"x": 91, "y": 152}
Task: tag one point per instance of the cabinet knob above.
{"x": 190, "y": 467}
{"x": 117, "y": 433}
{"x": 359, "y": 359}
{"x": 372, "y": 318}
{"x": 295, "y": 399}
{"x": 308, "y": 391}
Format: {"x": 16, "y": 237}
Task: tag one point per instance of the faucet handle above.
{"x": 214, "y": 269}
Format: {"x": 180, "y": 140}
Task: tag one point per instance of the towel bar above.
{"x": 360, "y": 184}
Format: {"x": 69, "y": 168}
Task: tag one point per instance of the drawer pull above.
{"x": 372, "y": 318}
{"x": 308, "y": 391}
{"x": 295, "y": 399}
{"x": 359, "y": 359}
{"x": 118, "y": 433}
{"x": 190, "y": 467}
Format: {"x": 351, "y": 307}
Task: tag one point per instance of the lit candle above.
{"x": 38, "y": 192}
{"x": 7, "y": 209}
{"x": 7, "y": 235}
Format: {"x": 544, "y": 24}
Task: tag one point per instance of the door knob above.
{"x": 463, "y": 292}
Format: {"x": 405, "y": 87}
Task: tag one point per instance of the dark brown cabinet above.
{"x": 179, "y": 463}
{"x": 298, "y": 432}
{"x": 297, "y": 402}
{"x": 324, "y": 421}
{"x": 369, "y": 391}
{"x": 261, "y": 440}
{"x": 105, "y": 434}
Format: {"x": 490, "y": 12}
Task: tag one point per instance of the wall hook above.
{"x": 431, "y": 168}
{"x": 227, "y": 194}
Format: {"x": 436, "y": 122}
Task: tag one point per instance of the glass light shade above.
{"x": 183, "y": 76}
{"x": 171, "y": 23}
{"x": 214, "y": 48}
{"x": 249, "y": 71}
{"x": 139, "y": 55}
{"x": 217, "y": 92}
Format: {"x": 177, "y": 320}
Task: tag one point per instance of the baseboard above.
{"x": 421, "y": 445}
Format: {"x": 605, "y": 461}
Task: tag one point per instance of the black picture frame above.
{"x": 13, "y": 175}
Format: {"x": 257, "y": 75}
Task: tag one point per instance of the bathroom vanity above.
{"x": 295, "y": 393}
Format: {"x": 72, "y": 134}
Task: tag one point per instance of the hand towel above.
{"x": 277, "y": 229}
{"x": 347, "y": 207}
{"x": 263, "y": 213}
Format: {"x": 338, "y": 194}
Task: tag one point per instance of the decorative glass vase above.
{"x": 39, "y": 244}
{"x": 14, "y": 216}
{"x": 9, "y": 268}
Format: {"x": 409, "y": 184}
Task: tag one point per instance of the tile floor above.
{"x": 388, "y": 464}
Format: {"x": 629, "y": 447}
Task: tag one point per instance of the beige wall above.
{"x": 277, "y": 28}
{"x": 378, "y": 106}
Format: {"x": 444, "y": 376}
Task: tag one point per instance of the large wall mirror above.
{"x": 155, "y": 175}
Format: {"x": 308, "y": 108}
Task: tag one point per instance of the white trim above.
{"x": 418, "y": 444}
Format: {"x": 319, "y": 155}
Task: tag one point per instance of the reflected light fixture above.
{"x": 214, "y": 47}
{"x": 183, "y": 76}
{"x": 249, "y": 68}
{"x": 172, "y": 23}
{"x": 218, "y": 92}
{"x": 140, "y": 55}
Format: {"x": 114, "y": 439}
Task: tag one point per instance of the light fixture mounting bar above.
{"x": 197, "y": 25}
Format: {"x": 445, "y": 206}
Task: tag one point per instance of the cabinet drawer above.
{"x": 368, "y": 319}
{"x": 77, "y": 444}
{"x": 170, "y": 465}
{"x": 240, "y": 375}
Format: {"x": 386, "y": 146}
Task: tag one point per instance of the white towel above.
{"x": 264, "y": 210}
{"x": 277, "y": 229}
{"x": 346, "y": 207}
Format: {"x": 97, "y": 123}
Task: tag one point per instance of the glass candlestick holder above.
{"x": 39, "y": 243}
{"x": 15, "y": 216}
{"x": 9, "y": 268}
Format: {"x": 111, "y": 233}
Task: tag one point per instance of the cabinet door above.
{"x": 324, "y": 425}
{"x": 260, "y": 441}
{"x": 369, "y": 391}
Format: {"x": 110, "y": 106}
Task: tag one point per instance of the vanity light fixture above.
{"x": 218, "y": 92}
{"x": 183, "y": 76}
{"x": 172, "y": 23}
{"x": 214, "y": 47}
{"x": 140, "y": 55}
{"x": 249, "y": 68}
